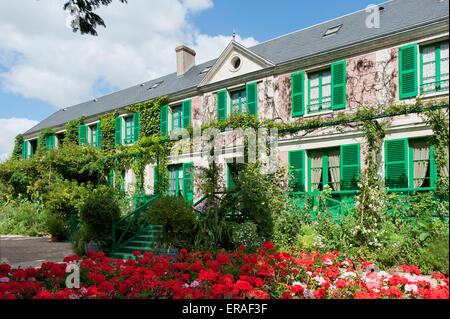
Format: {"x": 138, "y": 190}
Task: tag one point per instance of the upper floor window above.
{"x": 180, "y": 117}
{"x": 90, "y": 134}
{"x": 243, "y": 101}
{"x": 177, "y": 118}
{"x": 434, "y": 64}
{"x": 127, "y": 129}
{"x": 238, "y": 101}
{"x": 319, "y": 91}
{"x": 326, "y": 90}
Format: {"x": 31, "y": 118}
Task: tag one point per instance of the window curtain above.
{"x": 429, "y": 69}
{"x": 180, "y": 182}
{"x": 172, "y": 182}
{"x": 316, "y": 170}
{"x": 334, "y": 161}
{"x": 421, "y": 157}
{"x": 444, "y": 66}
{"x": 314, "y": 92}
{"x": 326, "y": 90}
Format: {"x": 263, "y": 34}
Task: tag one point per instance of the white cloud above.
{"x": 47, "y": 61}
{"x": 9, "y": 129}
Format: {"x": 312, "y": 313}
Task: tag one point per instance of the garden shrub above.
{"x": 257, "y": 197}
{"x": 246, "y": 234}
{"x": 21, "y": 217}
{"x": 97, "y": 213}
{"x": 58, "y": 226}
{"x": 435, "y": 255}
{"x": 213, "y": 232}
{"x": 177, "y": 217}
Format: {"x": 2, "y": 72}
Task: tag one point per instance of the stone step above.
{"x": 132, "y": 249}
{"x": 142, "y": 243}
{"x": 122, "y": 255}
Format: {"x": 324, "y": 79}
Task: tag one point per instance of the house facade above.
{"x": 393, "y": 53}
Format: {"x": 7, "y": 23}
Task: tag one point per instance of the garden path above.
{"x": 27, "y": 251}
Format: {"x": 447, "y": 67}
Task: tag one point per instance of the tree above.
{"x": 17, "y": 152}
{"x": 85, "y": 20}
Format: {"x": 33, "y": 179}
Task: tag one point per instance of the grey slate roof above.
{"x": 397, "y": 15}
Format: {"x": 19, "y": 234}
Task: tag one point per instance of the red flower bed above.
{"x": 266, "y": 274}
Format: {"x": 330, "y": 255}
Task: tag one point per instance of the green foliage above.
{"x": 21, "y": 217}
{"x": 257, "y": 197}
{"x": 58, "y": 226}
{"x": 246, "y": 234}
{"x": 176, "y": 216}
{"x": 439, "y": 123}
{"x": 435, "y": 255}
{"x": 72, "y": 130}
{"x": 97, "y": 214}
{"x": 213, "y": 232}
{"x": 108, "y": 127}
{"x": 87, "y": 19}
{"x": 17, "y": 151}
{"x": 288, "y": 226}
{"x": 150, "y": 113}
{"x": 65, "y": 197}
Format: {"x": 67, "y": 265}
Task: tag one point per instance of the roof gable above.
{"x": 234, "y": 61}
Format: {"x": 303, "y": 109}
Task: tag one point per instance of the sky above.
{"x": 44, "y": 66}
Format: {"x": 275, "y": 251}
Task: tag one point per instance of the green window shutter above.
{"x": 50, "y": 142}
{"x": 338, "y": 85}
{"x": 118, "y": 131}
{"x": 408, "y": 71}
{"x": 82, "y": 134}
{"x": 221, "y": 105}
{"x": 30, "y": 154}
{"x": 298, "y": 94}
{"x": 350, "y": 166}
{"x": 186, "y": 113}
{"x": 164, "y": 120}
{"x": 433, "y": 168}
{"x": 396, "y": 163}
{"x": 136, "y": 126}
{"x": 155, "y": 180}
{"x": 188, "y": 181}
{"x": 98, "y": 134}
{"x": 38, "y": 141}
{"x": 230, "y": 181}
{"x": 252, "y": 98}
{"x": 297, "y": 167}
{"x": 25, "y": 149}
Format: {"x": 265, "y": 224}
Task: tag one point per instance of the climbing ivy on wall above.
{"x": 18, "y": 143}
{"x": 107, "y": 127}
{"x": 149, "y": 115}
{"x": 72, "y": 130}
{"x": 439, "y": 122}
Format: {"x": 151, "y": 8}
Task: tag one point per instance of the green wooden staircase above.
{"x": 142, "y": 242}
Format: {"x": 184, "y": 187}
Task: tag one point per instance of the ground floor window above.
{"x": 325, "y": 169}
{"x": 409, "y": 163}
{"x": 175, "y": 186}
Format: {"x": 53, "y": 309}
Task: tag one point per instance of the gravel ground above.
{"x": 31, "y": 251}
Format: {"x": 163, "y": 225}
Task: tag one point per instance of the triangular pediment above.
{"x": 234, "y": 61}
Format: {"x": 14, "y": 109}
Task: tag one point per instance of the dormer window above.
{"x": 332, "y": 30}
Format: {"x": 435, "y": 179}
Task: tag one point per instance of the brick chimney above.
{"x": 185, "y": 59}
